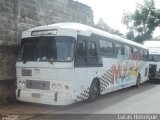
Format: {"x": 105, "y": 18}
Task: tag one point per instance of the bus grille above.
{"x": 42, "y": 85}
{"x": 152, "y": 70}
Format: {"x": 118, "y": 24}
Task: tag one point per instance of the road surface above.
{"x": 133, "y": 100}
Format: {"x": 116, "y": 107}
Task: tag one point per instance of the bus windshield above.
{"x": 54, "y": 48}
{"x": 153, "y": 57}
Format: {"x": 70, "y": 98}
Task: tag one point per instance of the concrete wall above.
{"x": 33, "y": 13}
{"x": 19, "y": 15}
{"x": 8, "y": 22}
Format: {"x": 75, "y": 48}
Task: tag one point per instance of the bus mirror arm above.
{"x": 24, "y": 62}
{"x": 50, "y": 61}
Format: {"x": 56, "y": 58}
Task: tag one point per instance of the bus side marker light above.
{"x": 53, "y": 85}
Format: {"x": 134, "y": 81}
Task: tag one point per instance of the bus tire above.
{"x": 138, "y": 82}
{"x": 94, "y": 91}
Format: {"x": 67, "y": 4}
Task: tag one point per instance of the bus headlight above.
{"x": 59, "y": 86}
{"x": 56, "y": 86}
{"x": 22, "y": 83}
{"x": 53, "y": 86}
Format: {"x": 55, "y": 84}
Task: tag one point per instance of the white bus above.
{"x": 64, "y": 63}
{"x": 154, "y": 59}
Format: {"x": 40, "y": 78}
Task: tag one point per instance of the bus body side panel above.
{"x": 121, "y": 74}
{"x": 83, "y": 79}
{"x": 114, "y": 75}
{"x": 105, "y": 75}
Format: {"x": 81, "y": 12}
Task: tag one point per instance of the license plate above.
{"x": 36, "y": 95}
{"x": 26, "y": 72}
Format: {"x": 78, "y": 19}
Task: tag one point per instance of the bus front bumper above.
{"x": 44, "y": 97}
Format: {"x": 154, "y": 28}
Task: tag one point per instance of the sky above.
{"x": 112, "y": 10}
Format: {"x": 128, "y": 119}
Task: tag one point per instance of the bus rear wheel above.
{"x": 94, "y": 91}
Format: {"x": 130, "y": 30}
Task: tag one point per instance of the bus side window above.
{"x": 146, "y": 56}
{"x": 91, "y": 49}
{"x": 91, "y": 52}
{"x": 119, "y": 50}
{"x": 141, "y": 54}
{"x": 131, "y": 53}
{"x": 106, "y": 48}
{"x": 128, "y": 52}
{"x": 81, "y": 48}
{"x": 136, "y": 54}
{"x": 81, "y": 52}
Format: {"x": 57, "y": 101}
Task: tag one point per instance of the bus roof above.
{"x": 87, "y": 30}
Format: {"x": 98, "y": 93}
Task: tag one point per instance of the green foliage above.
{"x": 130, "y": 35}
{"x": 103, "y": 26}
{"x": 142, "y": 22}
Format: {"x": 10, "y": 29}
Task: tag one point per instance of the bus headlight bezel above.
{"x": 53, "y": 86}
{"x": 21, "y": 83}
{"x": 59, "y": 86}
{"x": 56, "y": 86}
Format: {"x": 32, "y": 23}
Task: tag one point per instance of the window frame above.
{"x": 88, "y": 62}
{"x": 87, "y": 50}
{"x": 115, "y": 51}
{"x": 136, "y": 58}
{"x": 105, "y": 54}
{"x": 146, "y": 56}
{"x": 131, "y": 51}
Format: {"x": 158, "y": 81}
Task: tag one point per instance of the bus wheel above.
{"x": 94, "y": 91}
{"x": 138, "y": 83}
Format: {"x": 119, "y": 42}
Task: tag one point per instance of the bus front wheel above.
{"x": 94, "y": 91}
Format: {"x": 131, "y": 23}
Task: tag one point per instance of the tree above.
{"x": 103, "y": 26}
{"x": 130, "y": 35}
{"x": 143, "y": 21}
